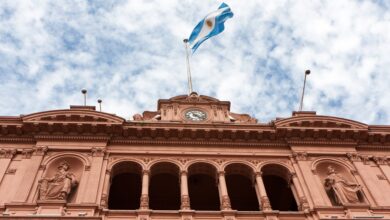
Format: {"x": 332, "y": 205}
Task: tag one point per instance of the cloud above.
{"x": 130, "y": 54}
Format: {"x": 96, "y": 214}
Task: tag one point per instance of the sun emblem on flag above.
{"x": 209, "y": 23}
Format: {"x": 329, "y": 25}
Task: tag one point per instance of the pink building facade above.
{"x": 191, "y": 159}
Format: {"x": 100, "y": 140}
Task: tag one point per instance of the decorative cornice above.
{"x": 322, "y": 142}
{"x": 17, "y": 139}
{"x": 200, "y": 142}
{"x": 72, "y": 138}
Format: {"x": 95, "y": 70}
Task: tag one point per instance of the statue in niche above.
{"x": 340, "y": 190}
{"x": 59, "y": 186}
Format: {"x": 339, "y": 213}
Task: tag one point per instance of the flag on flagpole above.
{"x": 211, "y": 25}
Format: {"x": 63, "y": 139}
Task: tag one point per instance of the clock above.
{"x": 195, "y": 115}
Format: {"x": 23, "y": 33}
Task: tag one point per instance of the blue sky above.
{"x": 130, "y": 54}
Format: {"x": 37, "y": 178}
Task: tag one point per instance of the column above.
{"x": 225, "y": 201}
{"x": 263, "y": 200}
{"x": 144, "y": 203}
{"x": 185, "y": 199}
{"x": 303, "y": 203}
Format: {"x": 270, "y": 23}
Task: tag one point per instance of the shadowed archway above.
{"x": 277, "y": 184}
{"x": 164, "y": 189}
{"x": 202, "y": 187}
{"x": 125, "y": 187}
{"x": 242, "y": 193}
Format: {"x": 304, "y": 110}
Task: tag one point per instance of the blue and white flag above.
{"x": 211, "y": 25}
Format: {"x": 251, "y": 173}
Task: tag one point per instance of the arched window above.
{"x": 202, "y": 187}
{"x": 276, "y": 180}
{"x": 242, "y": 193}
{"x": 125, "y": 188}
{"x": 164, "y": 188}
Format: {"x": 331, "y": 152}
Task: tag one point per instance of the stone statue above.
{"x": 59, "y": 186}
{"x": 341, "y": 190}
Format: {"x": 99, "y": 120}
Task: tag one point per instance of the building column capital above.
{"x": 7, "y": 153}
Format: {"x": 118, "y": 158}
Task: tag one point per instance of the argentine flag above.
{"x": 211, "y": 25}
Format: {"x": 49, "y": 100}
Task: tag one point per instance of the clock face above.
{"x": 195, "y": 115}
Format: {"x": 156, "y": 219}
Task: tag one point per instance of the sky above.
{"x": 130, "y": 53}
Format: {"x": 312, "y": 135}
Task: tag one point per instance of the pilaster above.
{"x": 31, "y": 162}
{"x": 91, "y": 191}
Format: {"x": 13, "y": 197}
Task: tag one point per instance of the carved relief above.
{"x": 11, "y": 171}
{"x": 27, "y": 153}
{"x": 104, "y": 200}
{"x": 144, "y": 202}
{"x": 146, "y": 159}
{"x": 219, "y": 161}
{"x": 7, "y": 153}
{"x": 300, "y": 155}
{"x": 265, "y": 204}
{"x": 225, "y": 202}
{"x": 240, "y": 118}
{"x": 98, "y": 151}
{"x": 183, "y": 160}
{"x": 303, "y": 204}
{"x": 40, "y": 151}
{"x": 365, "y": 159}
{"x": 58, "y": 186}
{"x": 381, "y": 177}
{"x": 354, "y": 157}
{"x": 255, "y": 162}
{"x": 185, "y": 202}
{"x": 380, "y": 160}
{"x": 340, "y": 190}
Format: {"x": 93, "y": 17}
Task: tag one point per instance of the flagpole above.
{"x": 188, "y": 67}
{"x": 307, "y": 72}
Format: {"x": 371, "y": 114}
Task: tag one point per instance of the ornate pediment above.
{"x": 70, "y": 116}
{"x": 318, "y": 121}
{"x": 194, "y": 108}
{"x": 192, "y": 98}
